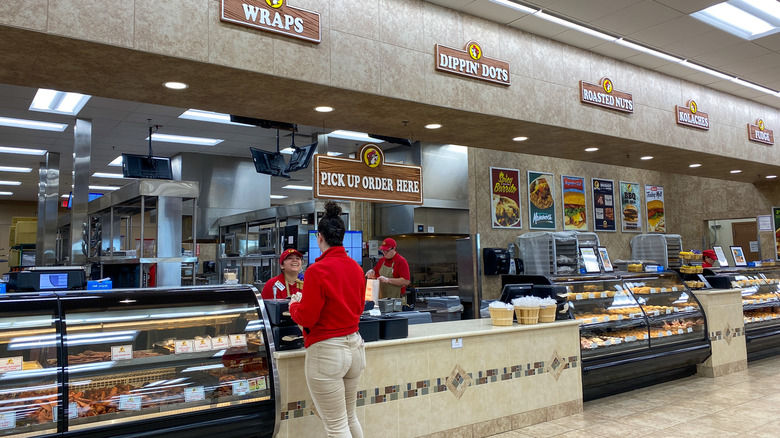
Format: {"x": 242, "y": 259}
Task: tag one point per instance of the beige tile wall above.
{"x": 386, "y": 47}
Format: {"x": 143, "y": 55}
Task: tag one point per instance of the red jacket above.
{"x": 271, "y": 292}
{"x": 333, "y": 297}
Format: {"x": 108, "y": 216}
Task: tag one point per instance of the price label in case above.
{"x": 606, "y": 318}
{"x": 73, "y": 410}
{"x": 591, "y": 295}
{"x": 130, "y": 402}
{"x": 680, "y": 331}
{"x": 668, "y": 333}
{"x": 578, "y": 297}
{"x": 656, "y": 313}
{"x": 185, "y": 346}
{"x": 644, "y": 337}
{"x": 122, "y": 352}
{"x": 8, "y": 420}
{"x": 195, "y": 393}
{"x": 660, "y": 334}
{"x": 202, "y": 344}
{"x": 238, "y": 340}
{"x": 11, "y": 364}
{"x": 604, "y": 295}
{"x": 674, "y": 288}
{"x": 220, "y": 342}
{"x": 663, "y": 289}
{"x": 630, "y": 338}
{"x": 620, "y": 317}
{"x": 690, "y": 329}
{"x": 240, "y": 387}
{"x": 257, "y": 384}
{"x": 652, "y": 290}
{"x": 668, "y": 311}
{"x": 618, "y": 340}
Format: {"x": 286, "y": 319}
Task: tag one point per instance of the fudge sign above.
{"x": 759, "y": 133}
{"x": 273, "y": 16}
{"x": 367, "y": 178}
{"x": 472, "y": 62}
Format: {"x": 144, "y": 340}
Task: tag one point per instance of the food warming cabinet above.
{"x": 189, "y": 362}
{"x": 637, "y": 329}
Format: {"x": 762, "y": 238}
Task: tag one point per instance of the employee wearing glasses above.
{"x": 393, "y": 271}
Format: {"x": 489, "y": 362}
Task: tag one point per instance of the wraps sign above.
{"x": 273, "y": 16}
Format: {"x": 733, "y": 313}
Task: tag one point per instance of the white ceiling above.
{"x": 662, "y": 25}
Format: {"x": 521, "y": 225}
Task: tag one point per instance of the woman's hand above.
{"x": 371, "y": 274}
{"x": 295, "y": 298}
{"x": 384, "y": 279}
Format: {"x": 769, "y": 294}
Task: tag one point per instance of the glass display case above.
{"x": 194, "y": 361}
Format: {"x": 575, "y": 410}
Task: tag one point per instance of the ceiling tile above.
{"x": 542, "y": 3}
{"x": 616, "y": 51}
{"x": 672, "y": 31}
{"x": 587, "y": 11}
{"x": 674, "y": 70}
{"x": 638, "y": 16}
{"x": 762, "y": 77}
{"x": 578, "y": 39}
{"x": 757, "y": 64}
{"x": 493, "y": 11}
{"x": 771, "y": 42}
{"x": 689, "y": 6}
{"x": 452, "y": 4}
{"x": 647, "y": 61}
{"x": 729, "y": 55}
{"x": 702, "y": 78}
{"x": 537, "y": 26}
{"x": 702, "y": 43}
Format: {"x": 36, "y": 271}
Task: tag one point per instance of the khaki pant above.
{"x": 333, "y": 368}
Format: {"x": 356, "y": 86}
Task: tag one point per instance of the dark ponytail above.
{"x": 331, "y": 226}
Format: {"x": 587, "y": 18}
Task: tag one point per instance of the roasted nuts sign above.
{"x": 760, "y": 134}
{"x": 273, "y": 16}
{"x": 691, "y": 116}
{"x": 605, "y": 96}
{"x": 367, "y": 178}
{"x": 472, "y": 63}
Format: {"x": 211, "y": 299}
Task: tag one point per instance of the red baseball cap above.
{"x": 709, "y": 253}
{"x": 388, "y": 244}
{"x": 287, "y": 253}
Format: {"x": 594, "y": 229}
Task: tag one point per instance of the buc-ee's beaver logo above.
{"x": 693, "y": 107}
{"x": 607, "y": 85}
{"x": 760, "y": 125}
{"x": 276, "y": 4}
{"x": 371, "y": 157}
{"x": 475, "y": 52}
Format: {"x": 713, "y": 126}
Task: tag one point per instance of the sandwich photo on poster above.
{"x": 603, "y": 204}
{"x": 541, "y": 200}
{"x": 505, "y": 205}
{"x": 654, "y": 201}
{"x": 630, "y": 207}
{"x": 574, "y": 214}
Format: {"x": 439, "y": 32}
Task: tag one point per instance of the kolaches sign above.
{"x": 367, "y": 178}
{"x": 273, "y": 16}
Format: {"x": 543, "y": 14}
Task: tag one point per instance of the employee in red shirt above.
{"x": 287, "y": 283}
{"x": 329, "y": 310}
{"x": 393, "y": 271}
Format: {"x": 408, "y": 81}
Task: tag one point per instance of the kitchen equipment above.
{"x": 386, "y": 305}
{"x": 369, "y": 328}
{"x": 397, "y": 304}
{"x": 288, "y": 338}
{"x": 496, "y": 261}
{"x": 393, "y": 327}
{"x": 278, "y": 311}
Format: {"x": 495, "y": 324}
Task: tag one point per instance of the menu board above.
{"x": 739, "y": 256}
{"x": 605, "y": 261}
{"x": 590, "y": 260}
{"x": 575, "y": 216}
{"x": 603, "y": 204}
{"x": 541, "y": 200}
{"x": 630, "y": 207}
{"x": 722, "y": 260}
{"x": 656, "y": 217}
{"x": 776, "y": 217}
{"x": 505, "y": 205}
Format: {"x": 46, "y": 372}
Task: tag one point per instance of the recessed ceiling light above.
{"x": 10, "y": 183}
{"x": 694, "y": 165}
{"x": 294, "y": 187}
{"x": 736, "y": 171}
{"x": 755, "y": 19}
{"x": 433, "y": 126}
{"x": 520, "y": 139}
{"x": 15, "y": 169}
{"x": 116, "y": 162}
{"x": 58, "y": 102}
{"x": 21, "y": 151}
{"x": 771, "y": 176}
{"x": 278, "y": 196}
{"x": 352, "y": 135}
{"x": 646, "y": 157}
{"x": 103, "y": 187}
{"x": 176, "y": 85}
{"x": 32, "y": 124}
{"x": 6, "y": 193}
{"x": 107, "y": 175}
{"x": 591, "y": 149}
{"x": 323, "y": 109}
{"x": 208, "y": 116}
{"x": 168, "y": 138}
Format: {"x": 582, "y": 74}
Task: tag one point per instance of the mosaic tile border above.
{"x": 727, "y": 334}
{"x": 456, "y": 383}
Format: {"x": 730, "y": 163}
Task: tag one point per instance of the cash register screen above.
{"x": 53, "y": 281}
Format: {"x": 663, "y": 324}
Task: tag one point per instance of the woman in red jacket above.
{"x": 329, "y": 310}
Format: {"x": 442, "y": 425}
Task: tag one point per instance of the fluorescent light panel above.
{"x": 744, "y": 18}
{"x": 58, "y": 102}
{"x": 208, "y": 116}
{"x": 10, "y": 183}
{"x": 334, "y": 154}
{"x": 107, "y": 175}
{"x": 117, "y": 162}
{"x": 352, "y": 135}
{"x": 21, "y": 151}
{"x": 515, "y": 6}
{"x": 201, "y": 141}
{"x": 103, "y": 187}
{"x": 294, "y": 187}
{"x": 6, "y": 193}
{"x": 32, "y": 124}
{"x": 278, "y": 197}
{"x": 15, "y": 169}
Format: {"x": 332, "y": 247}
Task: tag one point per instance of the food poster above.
{"x": 654, "y": 201}
{"x": 630, "y": 207}
{"x": 541, "y": 200}
{"x": 505, "y": 206}
{"x": 776, "y": 217}
{"x": 603, "y": 204}
{"x": 574, "y": 213}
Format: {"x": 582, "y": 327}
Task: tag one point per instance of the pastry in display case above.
{"x": 135, "y": 361}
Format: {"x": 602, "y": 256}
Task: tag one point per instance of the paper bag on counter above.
{"x": 372, "y": 290}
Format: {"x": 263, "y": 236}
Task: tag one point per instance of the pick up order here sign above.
{"x": 367, "y": 178}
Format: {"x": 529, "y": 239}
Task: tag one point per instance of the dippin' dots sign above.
{"x": 472, "y": 62}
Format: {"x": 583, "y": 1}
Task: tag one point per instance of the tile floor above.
{"x": 746, "y": 403}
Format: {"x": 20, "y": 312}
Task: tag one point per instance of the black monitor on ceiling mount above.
{"x": 269, "y": 163}
{"x": 145, "y": 166}
{"x": 396, "y": 140}
{"x": 267, "y": 124}
{"x": 301, "y": 157}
